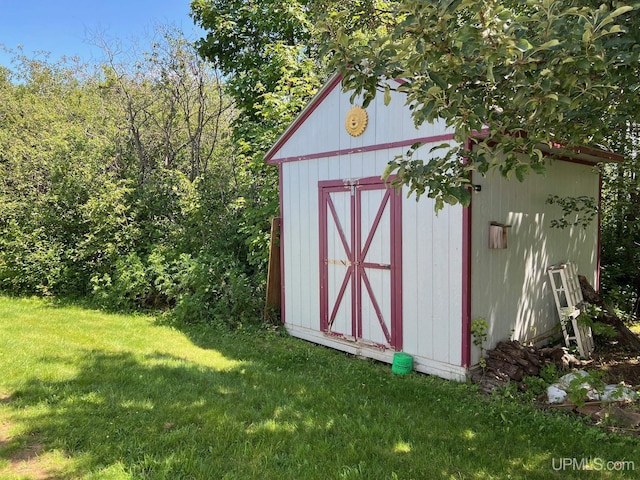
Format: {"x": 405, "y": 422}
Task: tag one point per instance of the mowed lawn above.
{"x": 85, "y": 394}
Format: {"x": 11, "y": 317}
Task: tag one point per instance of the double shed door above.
{"x": 360, "y": 261}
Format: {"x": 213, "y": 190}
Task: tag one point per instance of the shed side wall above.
{"x": 510, "y": 288}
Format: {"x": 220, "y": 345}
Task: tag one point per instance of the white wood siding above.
{"x": 432, "y": 281}
{"x": 431, "y": 251}
{"x": 324, "y": 130}
{"x": 510, "y": 288}
{"x": 431, "y": 246}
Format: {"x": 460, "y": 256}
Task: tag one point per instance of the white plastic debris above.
{"x": 565, "y": 380}
{"x": 555, "y": 393}
{"x": 618, "y": 393}
{"x": 592, "y": 393}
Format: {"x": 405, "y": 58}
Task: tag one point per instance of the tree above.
{"x": 55, "y": 144}
{"x": 174, "y": 105}
{"x": 262, "y": 49}
{"x": 256, "y": 43}
{"x": 620, "y": 227}
{"x": 525, "y": 74}
{"x": 269, "y": 52}
{"x": 243, "y": 39}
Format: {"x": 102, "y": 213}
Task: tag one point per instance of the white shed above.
{"x": 369, "y": 271}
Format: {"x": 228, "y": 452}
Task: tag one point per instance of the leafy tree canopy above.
{"x": 528, "y": 74}
{"x": 256, "y": 43}
{"x": 247, "y": 41}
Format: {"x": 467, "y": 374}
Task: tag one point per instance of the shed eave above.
{"x": 580, "y": 153}
{"x": 597, "y": 155}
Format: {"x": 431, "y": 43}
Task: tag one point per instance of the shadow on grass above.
{"x": 287, "y": 409}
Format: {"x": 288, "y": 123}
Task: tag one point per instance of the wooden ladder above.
{"x": 569, "y": 301}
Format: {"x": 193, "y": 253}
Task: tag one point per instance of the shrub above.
{"x": 126, "y": 288}
{"x": 210, "y": 288}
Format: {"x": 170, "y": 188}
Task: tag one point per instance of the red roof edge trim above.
{"x": 306, "y": 112}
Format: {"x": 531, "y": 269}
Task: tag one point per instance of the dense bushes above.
{"x": 199, "y": 289}
{"x": 123, "y": 186}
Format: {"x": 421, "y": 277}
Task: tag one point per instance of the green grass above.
{"x": 124, "y": 397}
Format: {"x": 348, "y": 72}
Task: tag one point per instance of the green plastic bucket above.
{"x": 402, "y": 363}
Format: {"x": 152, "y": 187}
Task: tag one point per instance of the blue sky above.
{"x": 64, "y": 27}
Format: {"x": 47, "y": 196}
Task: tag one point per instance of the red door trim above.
{"x": 324, "y": 300}
{"x": 336, "y": 220}
{"x": 466, "y": 287}
{"x": 325, "y": 206}
{"x": 355, "y": 284}
{"x": 376, "y": 307}
{"x": 396, "y": 268}
{"x": 465, "y": 357}
{"x": 356, "y": 272}
{"x": 364, "y": 149}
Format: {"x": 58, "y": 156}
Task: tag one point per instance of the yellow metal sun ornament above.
{"x": 356, "y": 121}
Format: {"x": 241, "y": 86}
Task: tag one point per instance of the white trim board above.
{"x": 420, "y": 364}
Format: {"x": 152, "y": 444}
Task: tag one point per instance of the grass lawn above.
{"x": 84, "y": 394}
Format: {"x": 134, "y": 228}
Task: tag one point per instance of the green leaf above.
{"x": 540, "y": 155}
{"x": 438, "y": 80}
{"x": 521, "y": 171}
{"x": 387, "y": 95}
{"x": 448, "y": 5}
{"x": 434, "y": 91}
{"x": 438, "y": 147}
{"x": 550, "y": 44}
{"x": 538, "y": 168}
{"x": 616, "y": 29}
{"x": 620, "y": 11}
{"x": 564, "y": 99}
{"x": 450, "y": 198}
{"x": 388, "y": 170}
{"x": 490, "y": 76}
{"x": 523, "y": 45}
{"x": 464, "y": 196}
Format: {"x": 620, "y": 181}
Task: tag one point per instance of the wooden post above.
{"x": 273, "y": 300}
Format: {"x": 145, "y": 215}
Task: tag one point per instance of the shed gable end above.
{"x": 319, "y": 132}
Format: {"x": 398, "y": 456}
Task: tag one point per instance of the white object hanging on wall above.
{"x": 498, "y": 235}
